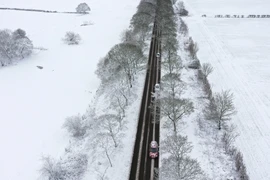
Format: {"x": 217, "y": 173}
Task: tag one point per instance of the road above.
{"x": 143, "y": 166}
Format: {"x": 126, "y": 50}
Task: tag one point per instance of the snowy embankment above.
{"x": 238, "y": 49}
{"x": 35, "y": 102}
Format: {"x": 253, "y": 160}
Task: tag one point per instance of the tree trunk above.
{"x": 174, "y": 127}
{"x": 108, "y": 157}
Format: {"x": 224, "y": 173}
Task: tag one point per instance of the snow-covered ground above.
{"x": 238, "y": 49}
{"x": 35, "y": 102}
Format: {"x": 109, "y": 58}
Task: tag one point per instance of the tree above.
{"x": 14, "y": 45}
{"x": 52, "y": 169}
{"x": 111, "y": 126}
{"x": 172, "y": 83}
{"x": 76, "y": 125}
{"x": 127, "y": 58}
{"x": 174, "y": 109}
{"x": 192, "y": 48}
{"x": 221, "y": 107}
{"x": 23, "y": 47}
{"x": 207, "y": 69}
{"x": 128, "y": 36}
{"x": 72, "y": 38}
{"x": 179, "y": 165}
{"x": 83, "y": 8}
{"x": 6, "y": 53}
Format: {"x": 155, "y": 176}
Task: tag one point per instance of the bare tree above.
{"x": 72, "y": 38}
{"x": 143, "y": 20}
{"x": 76, "y": 125}
{"x": 75, "y": 165}
{"x": 225, "y": 106}
{"x": 174, "y": 109}
{"x": 111, "y": 126}
{"x": 102, "y": 175}
{"x": 207, "y": 69}
{"x": 103, "y": 141}
{"x": 189, "y": 169}
{"x": 229, "y": 137}
{"x": 83, "y": 8}
{"x": 221, "y": 108}
{"x": 52, "y": 169}
{"x": 128, "y": 36}
{"x": 172, "y": 83}
{"x": 179, "y": 165}
{"x": 127, "y": 58}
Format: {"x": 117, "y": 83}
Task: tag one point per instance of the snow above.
{"x": 238, "y": 49}
{"x": 35, "y": 102}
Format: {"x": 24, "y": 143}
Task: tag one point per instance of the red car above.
{"x": 153, "y": 149}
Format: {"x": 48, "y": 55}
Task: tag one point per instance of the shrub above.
{"x": 76, "y": 125}
{"x": 83, "y": 8}
{"x": 52, "y": 169}
{"x": 72, "y": 38}
{"x": 14, "y": 45}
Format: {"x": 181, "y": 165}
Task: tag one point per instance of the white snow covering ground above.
{"x": 238, "y": 49}
{"x": 35, "y": 102}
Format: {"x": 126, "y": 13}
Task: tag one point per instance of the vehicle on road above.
{"x": 157, "y": 87}
{"x": 158, "y": 55}
{"x": 153, "y": 150}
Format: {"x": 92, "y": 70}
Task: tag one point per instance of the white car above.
{"x": 158, "y": 55}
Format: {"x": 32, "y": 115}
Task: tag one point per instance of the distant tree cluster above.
{"x": 14, "y": 46}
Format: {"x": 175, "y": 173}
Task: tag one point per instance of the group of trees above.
{"x": 173, "y": 107}
{"x": 14, "y": 46}
{"x": 70, "y": 168}
{"x": 219, "y": 108}
{"x": 143, "y": 20}
{"x": 117, "y": 71}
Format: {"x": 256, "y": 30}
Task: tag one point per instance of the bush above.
{"x": 72, "y": 39}
{"x": 52, "y": 169}
{"x": 76, "y": 125}
{"x": 83, "y": 8}
{"x": 14, "y": 45}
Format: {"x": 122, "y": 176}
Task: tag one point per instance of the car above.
{"x": 157, "y": 87}
{"x": 158, "y": 55}
{"x": 153, "y": 150}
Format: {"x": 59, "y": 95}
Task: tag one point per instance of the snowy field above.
{"x": 238, "y": 49}
{"x": 34, "y": 103}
